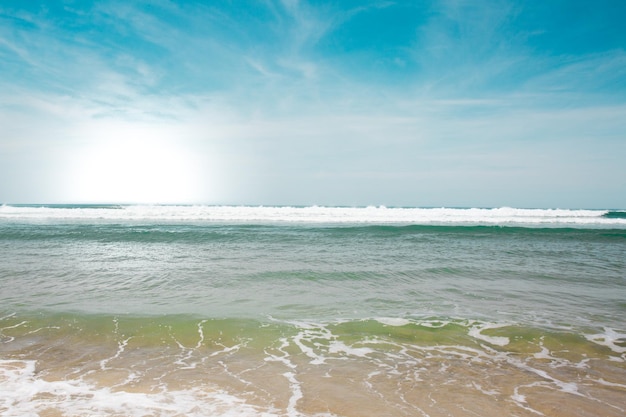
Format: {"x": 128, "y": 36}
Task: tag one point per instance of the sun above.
{"x": 135, "y": 165}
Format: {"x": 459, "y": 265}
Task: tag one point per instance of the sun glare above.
{"x": 135, "y": 166}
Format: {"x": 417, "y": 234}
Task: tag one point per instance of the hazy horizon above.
{"x": 146, "y": 204}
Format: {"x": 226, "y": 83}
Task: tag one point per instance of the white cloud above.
{"x": 273, "y": 125}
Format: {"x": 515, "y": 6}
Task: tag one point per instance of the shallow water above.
{"x": 109, "y": 313}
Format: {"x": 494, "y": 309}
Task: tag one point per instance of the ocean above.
{"x": 311, "y": 311}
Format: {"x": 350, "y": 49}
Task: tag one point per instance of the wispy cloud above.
{"x": 280, "y": 93}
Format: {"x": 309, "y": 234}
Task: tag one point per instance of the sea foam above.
{"x": 23, "y": 392}
{"x": 504, "y": 216}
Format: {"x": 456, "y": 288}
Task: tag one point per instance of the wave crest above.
{"x": 503, "y": 216}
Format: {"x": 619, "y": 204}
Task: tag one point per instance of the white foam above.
{"x": 484, "y": 391}
{"x": 340, "y": 347}
{"x": 226, "y": 350}
{"x": 520, "y": 400}
{"x": 4, "y": 338}
{"x": 121, "y": 346}
{"x": 7, "y": 316}
{"x": 23, "y": 393}
{"x": 15, "y": 325}
{"x": 609, "y": 339}
{"x": 294, "y": 385}
{"x": 308, "y": 333}
{"x": 391, "y": 321}
{"x": 296, "y": 394}
{"x": 476, "y": 332}
{"x": 434, "y": 324}
{"x": 609, "y": 384}
{"x": 317, "y": 214}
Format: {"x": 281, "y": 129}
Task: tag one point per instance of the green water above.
{"x": 179, "y": 317}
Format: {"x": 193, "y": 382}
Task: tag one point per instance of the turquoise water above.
{"x": 272, "y": 311}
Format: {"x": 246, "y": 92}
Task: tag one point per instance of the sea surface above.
{"x": 311, "y": 311}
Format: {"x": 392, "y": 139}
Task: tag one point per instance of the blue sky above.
{"x": 398, "y": 103}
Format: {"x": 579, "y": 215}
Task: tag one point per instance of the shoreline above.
{"x": 174, "y": 365}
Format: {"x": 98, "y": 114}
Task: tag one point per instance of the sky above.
{"x": 285, "y": 102}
